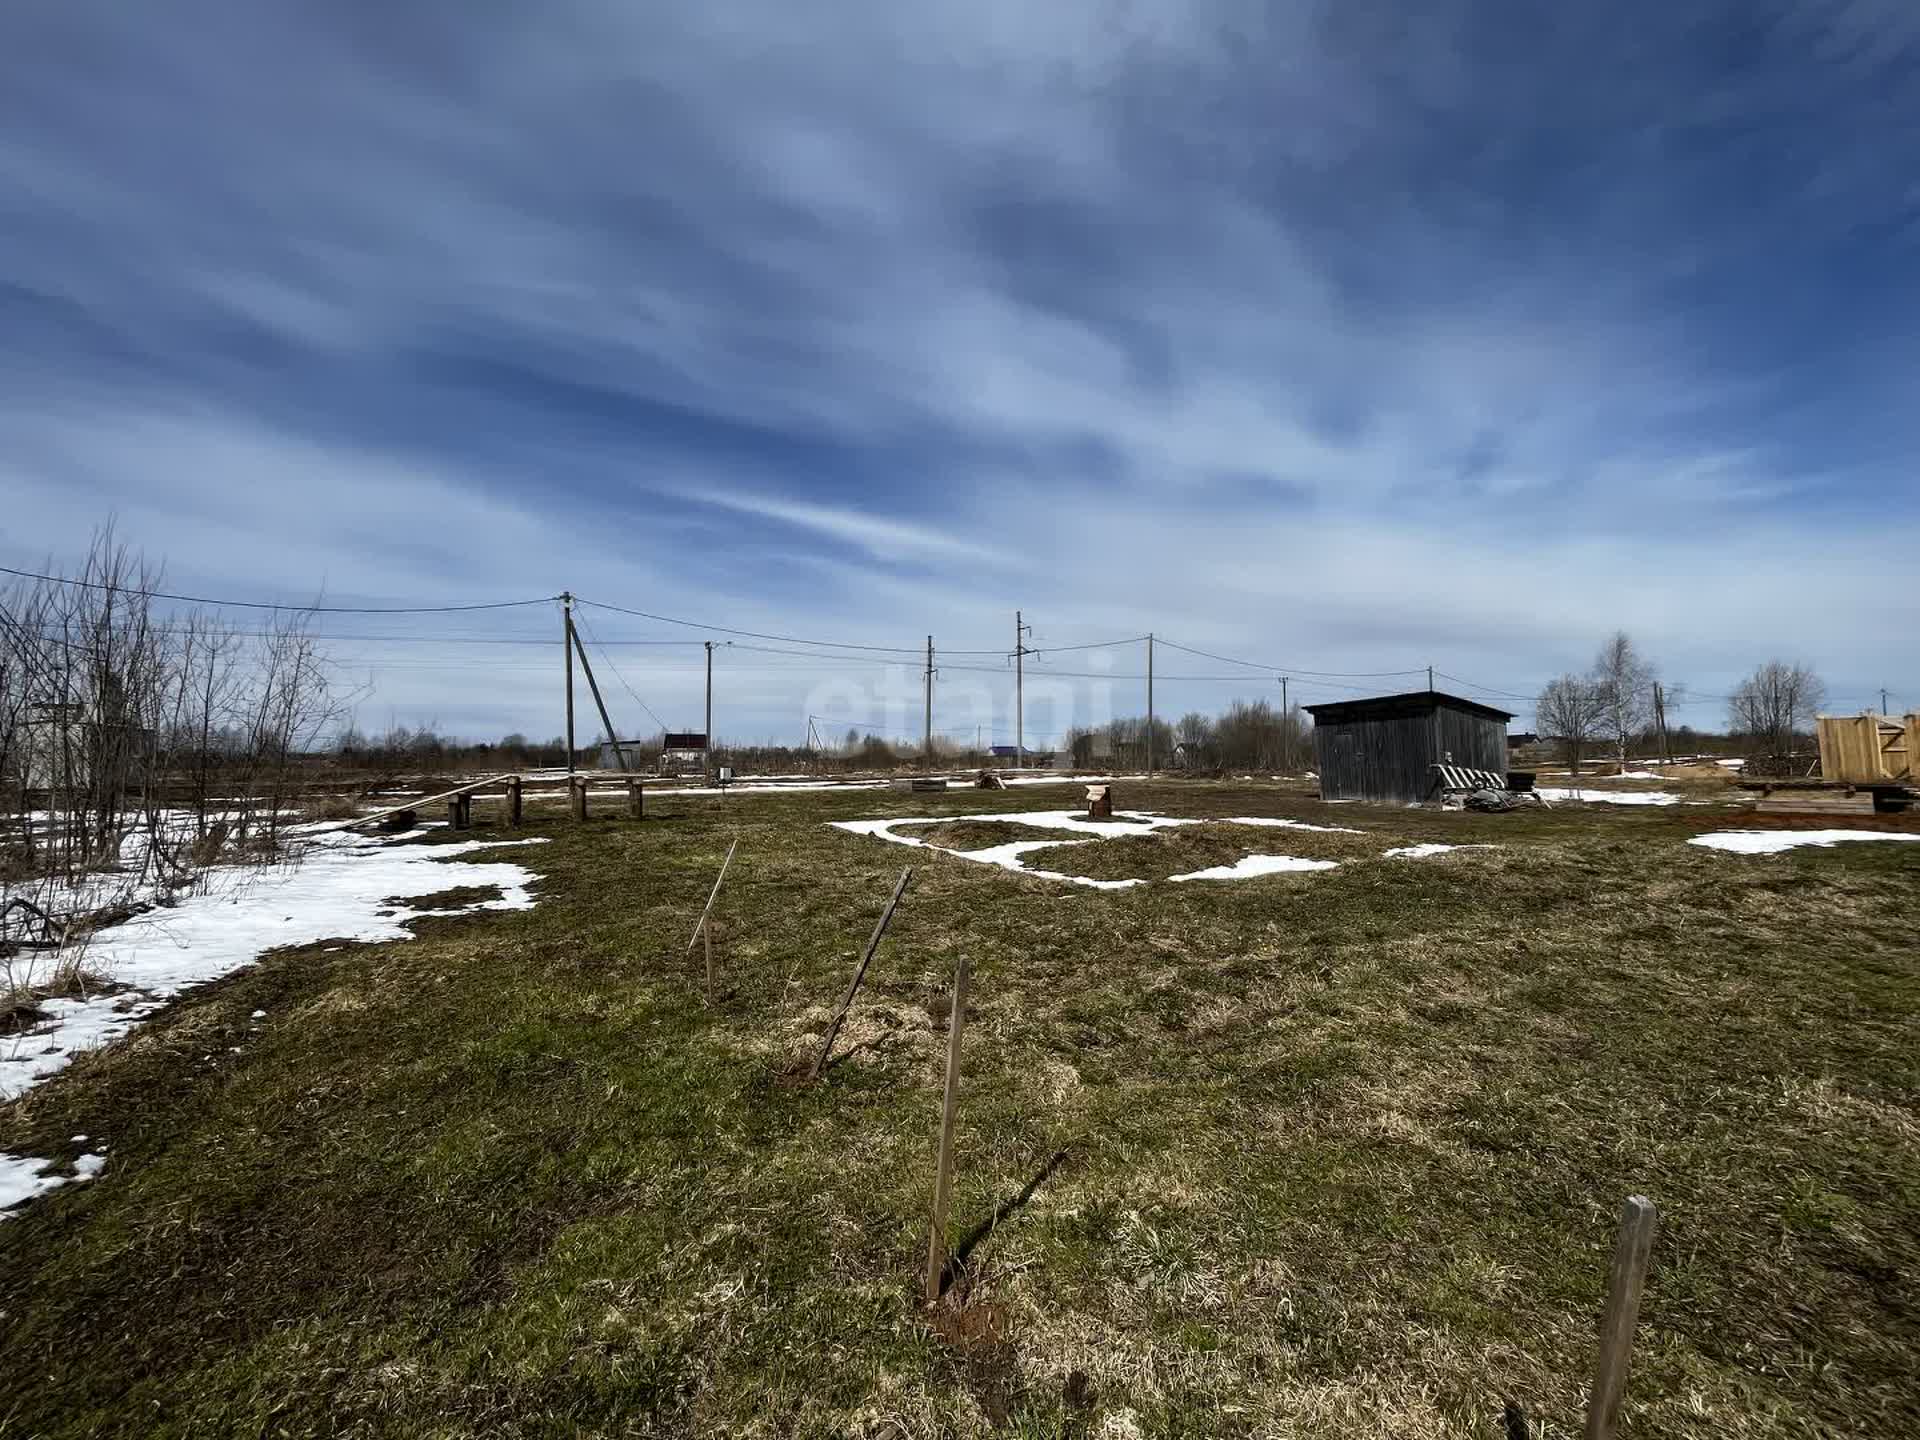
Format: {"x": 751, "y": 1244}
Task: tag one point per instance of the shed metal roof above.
{"x": 1381, "y": 706}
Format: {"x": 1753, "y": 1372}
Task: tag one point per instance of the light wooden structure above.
{"x": 1869, "y": 749}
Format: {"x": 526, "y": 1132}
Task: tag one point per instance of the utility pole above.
{"x": 708, "y": 758}
{"x": 1020, "y": 632}
{"x": 1883, "y": 699}
{"x": 1660, "y": 719}
{"x": 566, "y": 649}
{"x": 1286, "y": 724}
{"x": 1149, "y": 704}
{"x": 927, "y": 744}
{"x": 1429, "y": 677}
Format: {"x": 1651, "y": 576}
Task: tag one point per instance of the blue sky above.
{"x": 1344, "y": 337}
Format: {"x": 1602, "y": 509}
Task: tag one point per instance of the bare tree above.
{"x": 1570, "y": 711}
{"x": 1623, "y": 682}
{"x": 1775, "y": 703}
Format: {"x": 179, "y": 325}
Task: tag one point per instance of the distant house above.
{"x": 64, "y": 745}
{"x": 1380, "y": 749}
{"x": 610, "y": 753}
{"x": 1034, "y": 759}
{"x": 683, "y": 752}
{"x": 1523, "y": 737}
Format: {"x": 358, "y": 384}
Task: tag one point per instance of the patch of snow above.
{"x": 1772, "y": 842}
{"x": 88, "y": 1166}
{"x": 22, "y": 1178}
{"x": 259, "y": 1015}
{"x": 336, "y": 889}
{"x": 1430, "y": 847}
{"x": 1250, "y": 865}
{"x": 1731, "y": 764}
{"x": 1289, "y": 824}
{"x": 1609, "y": 797}
{"x": 1637, "y": 775}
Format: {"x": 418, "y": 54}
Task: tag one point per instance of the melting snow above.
{"x": 1772, "y": 842}
{"x": 1430, "y": 847}
{"x": 1250, "y": 865}
{"x": 1610, "y": 797}
{"x": 1289, "y": 824}
{"x": 338, "y": 889}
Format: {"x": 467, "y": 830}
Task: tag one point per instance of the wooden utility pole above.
{"x": 1149, "y": 704}
{"x": 613, "y": 736}
{"x": 1625, "y": 1281}
{"x": 1286, "y": 725}
{"x": 860, "y": 971}
{"x": 1883, "y": 699}
{"x": 1429, "y": 677}
{"x": 927, "y": 744}
{"x": 706, "y": 758}
{"x": 1019, "y": 692}
{"x": 566, "y": 651}
{"x": 943, "y": 1173}
{"x": 1660, "y": 720}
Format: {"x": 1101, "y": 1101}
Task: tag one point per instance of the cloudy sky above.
{"x": 1340, "y": 338}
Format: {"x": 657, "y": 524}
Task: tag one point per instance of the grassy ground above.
{"x": 1325, "y": 1154}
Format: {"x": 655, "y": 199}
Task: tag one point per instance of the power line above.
{"x": 621, "y": 678}
{"x": 762, "y": 635}
{"x": 265, "y": 605}
{"x": 1289, "y": 669}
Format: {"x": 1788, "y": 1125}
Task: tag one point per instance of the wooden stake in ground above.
{"x": 700, "y": 927}
{"x": 860, "y": 971}
{"x": 943, "y": 1173}
{"x": 513, "y": 801}
{"x": 577, "y": 788}
{"x": 1624, "y": 1284}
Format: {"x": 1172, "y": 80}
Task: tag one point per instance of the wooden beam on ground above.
{"x": 695, "y": 940}
{"x": 949, "y": 1108}
{"x": 422, "y": 803}
{"x": 1625, "y": 1281}
{"x": 860, "y": 971}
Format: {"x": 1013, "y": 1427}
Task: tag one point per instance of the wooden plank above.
{"x": 706, "y": 930}
{"x": 860, "y": 971}
{"x": 694, "y": 939}
{"x": 1625, "y": 1281}
{"x": 949, "y": 1108}
{"x": 422, "y": 803}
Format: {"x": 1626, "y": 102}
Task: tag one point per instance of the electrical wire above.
{"x": 585, "y": 623}
{"x": 762, "y": 635}
{"x": 265, "y": 605}
{"x": 1286, "y": 669}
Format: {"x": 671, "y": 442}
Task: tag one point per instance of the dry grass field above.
{"x": 1318, "y": 1154}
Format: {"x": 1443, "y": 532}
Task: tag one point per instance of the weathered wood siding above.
{"x": 1379, "y": 751}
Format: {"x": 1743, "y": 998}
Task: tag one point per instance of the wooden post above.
{"x": 694, "y": 939}
{"x": 860, "y": 970}
{"x": 578, "y": 785}
{"x": 943, "y": 1173}
{"x": 513, "y": 800}
{"x": 636, "y": 800}
{"x": 457, "y": 813}
{"x": 1624, "y": 1283}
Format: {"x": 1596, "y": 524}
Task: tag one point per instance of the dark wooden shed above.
{"x": 1379, "y": 749}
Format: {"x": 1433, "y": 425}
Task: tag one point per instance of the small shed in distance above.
{"x": 1379, "y": 749}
